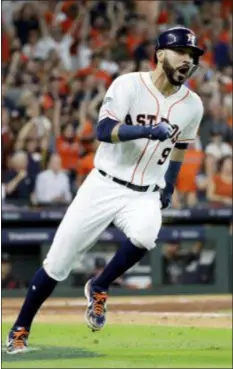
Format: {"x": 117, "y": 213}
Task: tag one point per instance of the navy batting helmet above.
{"x": 178, "y": 37}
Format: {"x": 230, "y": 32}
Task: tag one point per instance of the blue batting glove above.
{"x": 162, "y": 131}
{"x": 166, "y": 196}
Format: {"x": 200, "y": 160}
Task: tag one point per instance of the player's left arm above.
{"x": 177, "y": 158}
{"x": 178, "y": 153}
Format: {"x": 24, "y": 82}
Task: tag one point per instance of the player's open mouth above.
{"x": 183, "y": 70}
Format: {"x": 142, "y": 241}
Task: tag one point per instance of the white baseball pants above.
{"x": 99, "y": 202}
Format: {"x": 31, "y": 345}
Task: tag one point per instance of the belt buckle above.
{"x": 108, "y": 176}
{"x": 152, "y": 188}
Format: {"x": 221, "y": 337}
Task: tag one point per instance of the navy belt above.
{"x": 130, "y": 185}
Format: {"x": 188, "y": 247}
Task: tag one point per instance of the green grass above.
{"x": 123, "y": 346}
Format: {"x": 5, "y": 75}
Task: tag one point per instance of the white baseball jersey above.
{"x": 133, "y": 99}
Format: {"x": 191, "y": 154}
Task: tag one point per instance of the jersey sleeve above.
{"x": 190, "y": 132}
{"x": 118, "y": 99}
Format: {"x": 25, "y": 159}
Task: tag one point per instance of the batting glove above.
{"x": 166, "y": 196}
{"x": 162, "y": 131}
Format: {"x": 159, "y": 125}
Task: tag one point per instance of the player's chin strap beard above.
{"x": 169, "y": 70}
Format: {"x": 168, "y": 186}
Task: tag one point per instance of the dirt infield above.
{"x": 208, "y": 311}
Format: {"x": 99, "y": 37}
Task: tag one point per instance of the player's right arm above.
{"x": 117, "y": 103}
{"x": 178, "y": 153}
{"x": 113, "y": 131}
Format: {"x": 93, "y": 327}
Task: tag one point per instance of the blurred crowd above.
{"x": 188, "y": 265}
{"x": 58, "y": 59}
{"x": 9, "y": 279}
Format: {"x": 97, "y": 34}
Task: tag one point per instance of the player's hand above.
{"x": 162, "y": 131}
{"x": 166, "y": 196}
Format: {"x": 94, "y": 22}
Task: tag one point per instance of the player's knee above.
{"x": 143, "y": 241}
{"x": 54, "y": 271}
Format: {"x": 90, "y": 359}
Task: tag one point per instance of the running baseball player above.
{"x": 145, "y": 124}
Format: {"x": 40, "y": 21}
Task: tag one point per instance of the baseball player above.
{"x": 145, "y": 124}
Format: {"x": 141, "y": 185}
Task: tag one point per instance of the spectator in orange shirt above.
{"x": 163, "y": 15}
{"x": 63, "y": 13}
{"x": 67, "y": 143}
{"x": 219, "y": 190}
{"x": 71, "y": 11}
{"x": 114, "y": 31}
{"x": 100, "y": 33}
{"x": 85, "y": 165}
{"x": 71, "y": 142}
{"x": 84, "y": 127}
{"x": 95, "y": 70}
{"x": 186, "y": 182}
{"x": 86, "y": 135}
{"x": 136, "y": 34}
{"x": 49, "y": 11}
{"x": 226, "y": 8}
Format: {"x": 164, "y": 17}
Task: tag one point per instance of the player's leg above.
{"x": 91, "y": 211}
{"x": 140, "y": 220}
{"x": 96, "y": 290}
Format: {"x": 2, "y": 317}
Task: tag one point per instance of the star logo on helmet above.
{"x": 191, "y": 39}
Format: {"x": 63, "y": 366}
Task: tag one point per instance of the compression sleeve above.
{"x": 125, "y": 132}
{"x": 172, "y": 172}
{"x": 104, "y": 129}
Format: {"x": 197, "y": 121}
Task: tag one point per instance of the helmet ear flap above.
{"x": 195, "y": 65}
{"x": 193, "y": 70}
